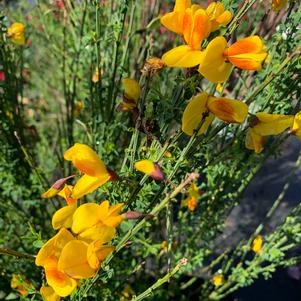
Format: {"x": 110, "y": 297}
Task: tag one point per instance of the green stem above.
{"x": 9, "y": 252}
{"x": 160, "y": 282}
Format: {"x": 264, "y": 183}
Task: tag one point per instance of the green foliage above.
{"x": 46, "y": 80}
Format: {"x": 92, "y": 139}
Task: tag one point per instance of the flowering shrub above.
{"x": 130, "y": 130}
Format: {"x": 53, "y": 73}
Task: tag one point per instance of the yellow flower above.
{"x": 48, "y": 257}
{"x": 196, "y": 27}
{"x": 272, "y": 124}
{"x": 192, "y": 198}
{"x": 218, "y": 16}
{"x": 218, "y": 279}
{"x": 21, "y": 284}
{"x": 174, "y": 20}
{"x": 88, "y": 162}
{"x": 94, "y": 222}
{"x": 278, "y": 5}
{"x": 49, "y": 294}
{"x": 16, "y": 33}
{"x": 215, "y": 64}
{"x": 87, "y": 184}
{"x": 203, "y": 108}
{"x": 132, "y": 92}
{"x": 151, "y": 169}
{"x": 257, "y": 245}
{"x": 62, "y": 284}
{"x": 254, "y": 141}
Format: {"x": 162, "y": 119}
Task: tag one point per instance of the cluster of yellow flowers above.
{"x": 77, "y": 253}
{"x": 215, "y": 62}
{"x": 195, "y": 24}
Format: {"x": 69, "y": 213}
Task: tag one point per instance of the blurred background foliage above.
{"x": 49, "y": 100}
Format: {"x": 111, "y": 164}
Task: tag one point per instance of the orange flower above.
{"x": 248, "y": 53}
{"x": 196, "y": 27}
{"x": 95, "y": 77}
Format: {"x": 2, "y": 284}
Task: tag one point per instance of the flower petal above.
{"x": 100, "y": 233}
{"x": 49, "y": 294}
{"x": 296, "y": 128}
{"x": 182, "y": 57}
{"x": 87, "y": 184}
{"x": 173, "y": 21}
{"x": 213, "y": 66}
{"x": 131, "y": 88}
{"x": 53, "y": 246}
{"x": 254, "y": 141}
{"x": 228, "y": 110}
{"x": 62, "y": 284}
{"x": 97, "y": 253}
{"x": 63, "y": 217}
{"x": 73, "y": 260}
{"x": 248, "y": 53}
{"x": 272, "y": 124}
{"x": 193, "y": 115}
{"x": 88, "y": 215}
{"x": 86, "y": 160}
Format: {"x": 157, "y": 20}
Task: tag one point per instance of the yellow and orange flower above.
{"x": 88, "y": 162}
{"x": 16, "y": 33}
{"x": 202, "y": 109}
{"x": 217, "y": 60}
{"x": 267, "y": 124}
{"x": 196, "y": 27}
{"x": 254, "y": 141}
{"x": 48, "y": 257}
{"x": 192, "y": 199}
